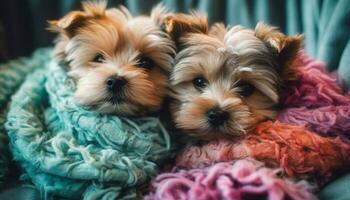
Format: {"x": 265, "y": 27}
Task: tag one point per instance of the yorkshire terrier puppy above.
{"x": 226, "y": 80}
{"x": 120, "y": 63}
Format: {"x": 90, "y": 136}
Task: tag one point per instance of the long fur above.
{"x": 225, "y": 58}
{"x": 122, "y": 39}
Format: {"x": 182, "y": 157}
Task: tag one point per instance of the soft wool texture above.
{"x": 315, "y": 100}
{"x": 12, "y": 75}
{"x": 244, "y": 179}
{"x": 75, "y": 153}
{"x": 299, "y": 152}
{"x": 327, "y": 120}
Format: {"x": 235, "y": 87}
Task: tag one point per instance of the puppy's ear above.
{"x": 178, "y": 25}
{"x": 285, "y": 47}
{"x": 218, "y": 30}
{"x": 159, "y": 13}
{"x": 70, "y": 23}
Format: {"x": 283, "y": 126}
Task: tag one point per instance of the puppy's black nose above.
{"x": 217, "y": 117}
{"x": 115, "y": 83}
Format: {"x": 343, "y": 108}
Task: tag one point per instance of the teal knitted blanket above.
{"x": 68, "y": 151}
{"x": 12, "y": 75}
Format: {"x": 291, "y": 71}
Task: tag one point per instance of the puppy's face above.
{"x": 120, "y": 63}
{"x": 226, "y": 81}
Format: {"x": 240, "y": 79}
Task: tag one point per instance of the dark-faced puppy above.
{"x": 226, "y": 80}
{"x": 120, "y": 63}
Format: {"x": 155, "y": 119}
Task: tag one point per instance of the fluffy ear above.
{"x": 285, "y": 47}
{"x": 218, "y": 30}
{"x": 178, "y": 25}
{"x": 159, "y": 13}
{"x": 70, "y": 23}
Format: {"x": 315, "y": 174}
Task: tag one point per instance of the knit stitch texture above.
{"x": 69, "y": 151}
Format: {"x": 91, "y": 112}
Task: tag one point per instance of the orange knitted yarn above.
{"x": 299, "y": 152}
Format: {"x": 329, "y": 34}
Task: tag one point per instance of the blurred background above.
{"x": 324, "y": 23}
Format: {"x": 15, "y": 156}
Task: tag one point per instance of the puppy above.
{"x": 120, "y": 63}
{"x": 225, "y": 81}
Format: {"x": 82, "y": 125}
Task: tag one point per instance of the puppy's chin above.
{"x": 109, "y": 105}
{"x": 103, "y": 102}
{"x": 123, "y": 108}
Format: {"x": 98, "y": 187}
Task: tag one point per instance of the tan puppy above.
{"x": 120, "y": 63}
{"x": 227, "y": 80}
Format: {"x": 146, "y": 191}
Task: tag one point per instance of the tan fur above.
{"x": 218, "y": 30}
{"x": 226, "y": 58}
{"x": 179, "y": 24}
{"x": 122, "y": 39}
{"x": 286, "y": 47}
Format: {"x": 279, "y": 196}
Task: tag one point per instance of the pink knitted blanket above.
{"x": 316, "y": 101}
{"x": 242, "y": 180}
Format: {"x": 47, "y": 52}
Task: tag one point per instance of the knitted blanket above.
{"x": 300, "y": 153}
{"x": 12, "y": 75}
{"x": 68, "y": 151}
{"x": 239, "y": 180}
{"x": 308, "y": 140}
{"x": 72, "y": 152}
{"x": 316, "y": 100}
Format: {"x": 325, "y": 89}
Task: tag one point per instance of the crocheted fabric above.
{"x": 300, "y": 153}
{"x": 316, "y": 101}
{"x": 242, "y": 180}
{"x": 12, "y": 75}
{"x": 76, "y": 153}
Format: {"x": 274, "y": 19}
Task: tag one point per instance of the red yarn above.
{"x": 299, "y": 152}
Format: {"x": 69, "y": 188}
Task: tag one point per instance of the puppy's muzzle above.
{"x": 217, "y": 117}
{"x": 115, "y": 83}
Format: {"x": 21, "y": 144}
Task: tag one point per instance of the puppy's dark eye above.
{"x": 146, "y": 63}
{"x": 245, "y": 89}
{"x": 199, "y": 83}
{"x": 99, "y": 58}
